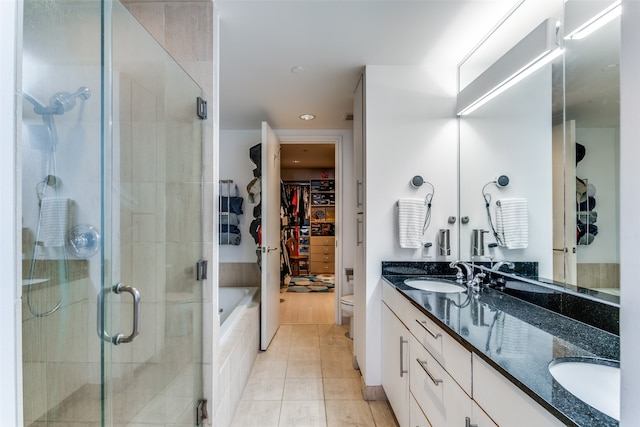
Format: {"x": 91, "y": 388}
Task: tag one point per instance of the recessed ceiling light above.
{"x": 297, "y": 69}
{"x": 307, "y": 117}
{"x": 295, "y": 162}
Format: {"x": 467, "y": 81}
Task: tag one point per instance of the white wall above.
{"x": 504, "y": 137}
{"x": 600, "y": 168}
{"x": 411, "y": 129}
{"x": 629, "y": 208}
{"x": 235, "y": 164}
{"x": 10, "y": 311}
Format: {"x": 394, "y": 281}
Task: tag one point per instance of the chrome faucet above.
{"x": 497, "y": 265}
{"x": 461, "y": 277}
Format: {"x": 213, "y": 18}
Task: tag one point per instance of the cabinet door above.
{"x": 504, "y": 401}
{"x": 395, "y": 366}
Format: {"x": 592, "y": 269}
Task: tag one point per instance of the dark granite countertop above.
{"x": 518, "y": 339}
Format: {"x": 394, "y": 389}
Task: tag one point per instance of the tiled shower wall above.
{"x": 189, "y": 32}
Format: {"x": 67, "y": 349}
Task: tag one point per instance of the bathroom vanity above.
{"x": 466, "y": 358}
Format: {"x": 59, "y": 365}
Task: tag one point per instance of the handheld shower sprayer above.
{"x": 59, "y": 103}
{"x": 65, "y": 101}
{"x": 500, "y": 182}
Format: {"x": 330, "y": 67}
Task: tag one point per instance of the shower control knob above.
{"x": 83, "y": 241}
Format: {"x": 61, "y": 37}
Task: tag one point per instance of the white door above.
{"x": 270, "y": 228}
{"x": 564, "y": 203}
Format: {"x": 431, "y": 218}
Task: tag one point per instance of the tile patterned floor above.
{"x": 306, "y": 379}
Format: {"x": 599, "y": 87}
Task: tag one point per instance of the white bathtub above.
{"x": 232, "y": 301}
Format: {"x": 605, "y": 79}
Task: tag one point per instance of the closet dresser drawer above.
{"x": 319, "y": 267}
{"x": 319, "y": 251}
{"x": 323, "y": 241}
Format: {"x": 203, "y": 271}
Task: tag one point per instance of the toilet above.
{"x": 346, "y": 305}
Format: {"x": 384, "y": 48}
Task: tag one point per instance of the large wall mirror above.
{"x": 539, "y": 161}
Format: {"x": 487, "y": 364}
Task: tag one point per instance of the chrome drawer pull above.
{"x": 423, "y": 324}
{"x": 429, "y": 374}
{"x": 402, "y": 370}
{"x": 467, "y": 423}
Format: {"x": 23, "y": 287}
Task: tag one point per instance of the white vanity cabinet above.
{"x": 395, "y": 358}
{"x": 437, "y": 390}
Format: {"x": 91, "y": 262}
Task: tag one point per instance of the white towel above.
{"x": 512, "y": 223}
{"x": 54, "y": 213}
{"x": 411, "y": 215}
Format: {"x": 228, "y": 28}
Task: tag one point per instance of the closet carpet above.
{"x": 313, "y": 283}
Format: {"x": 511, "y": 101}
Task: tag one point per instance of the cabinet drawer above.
{"x": 322, "y": 250}
{"x": 438, "y": 395}
{"x": 416, "y": 416}
{"x": 448, "y": 352}
{"x": 480, "y": 418}
{"x": 322, "y": 241}
{"x": 506, "y": 403}
{"x": 322, "y": 267}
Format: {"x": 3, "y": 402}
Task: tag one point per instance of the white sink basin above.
{"x": 434, "y": 286}
{"x": 594, "y": 381}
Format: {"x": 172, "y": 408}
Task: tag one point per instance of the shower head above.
{"x": 62, "y": 102}
{"x": 59, "y": 103}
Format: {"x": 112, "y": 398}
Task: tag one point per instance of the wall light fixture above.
{"x": 598, "y": 21}
{"x": 535, "y": 50}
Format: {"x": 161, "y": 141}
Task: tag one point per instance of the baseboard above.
{"x": 372, "y": 392}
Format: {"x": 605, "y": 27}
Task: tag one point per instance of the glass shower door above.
{"x": 111, "y": 188}
{"x": 154, "y": 213}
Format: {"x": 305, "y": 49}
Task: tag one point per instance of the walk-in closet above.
{"x": 308, "y": 224}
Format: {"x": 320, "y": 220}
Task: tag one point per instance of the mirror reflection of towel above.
{"x": 512, "y": 222}
{"x": 411, "y": 216}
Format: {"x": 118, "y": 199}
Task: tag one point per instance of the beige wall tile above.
{"x": 151, "y": 15}
{"x": 185, "y": 26}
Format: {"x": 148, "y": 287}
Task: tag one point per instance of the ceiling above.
{"x": 261, "y": 42}
{"x": 280, "y": 59}
{"x": 307, "y": 156}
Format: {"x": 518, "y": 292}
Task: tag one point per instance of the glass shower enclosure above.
{"x": 111, "y": 163}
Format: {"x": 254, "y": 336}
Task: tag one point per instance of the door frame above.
{"x": 336, "y": 140}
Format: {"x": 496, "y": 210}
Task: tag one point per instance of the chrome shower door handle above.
{"x": 119, "y": 338}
